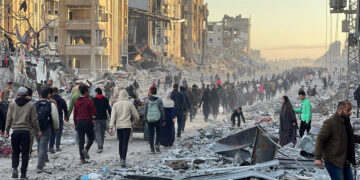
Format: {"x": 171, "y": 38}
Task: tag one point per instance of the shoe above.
{"x": 52, "y": 150}
{"x": 23, "y": 177}
{"x": 179, "y": 136}
{"x": 99, "y": 151}
{"x": 39, "y": 170}
{"x": 58, "y": 150}
{"x": 83, "y": 161}
{"x": 86, "y": 154}
{"x": 15, "y": 173}
{"x": 152, "y": 151}
{"x": 47, "y": 159}
{"x": 123, "y": 163}
{"x": 157, "y": 148}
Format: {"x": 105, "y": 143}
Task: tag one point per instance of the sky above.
{"x": 283, "y": 29}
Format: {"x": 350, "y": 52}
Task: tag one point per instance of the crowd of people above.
{"x": 95, "y": 110}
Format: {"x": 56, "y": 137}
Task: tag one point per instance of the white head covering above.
{"x": 167, "y": 101}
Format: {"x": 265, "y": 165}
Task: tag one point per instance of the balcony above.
{"x": 84, "y": 49}
{"x": 78, "y": 2}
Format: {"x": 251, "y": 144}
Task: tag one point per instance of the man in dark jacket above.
{"x": 62, "y": 110}
{"x": 357, "y": 98}
{"x": 187, "y": 106}
{"x": 193, "y": 104}
{"x": 335, "y": 143}
{"x": 103, "y": 110}
{"x": 84, "y": 113}
{"x": 154, "y": 124}
{"x": 179, "y": 107}
{"x": 236, "y": 114}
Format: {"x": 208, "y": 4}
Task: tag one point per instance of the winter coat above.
{"x": 331, "y": 143}
{"x": 179, "y": 100}
{"x": 102, "y": 107}
{"x": 61, "y": 107}
{"x": 187, "y": 100}
{"x": 84, "y": 110}
{"x": 305, "y": 111}
{"x": 22, "y": 116}
{"x": 159, "y": 104}
{"x": 206, "y": 100}
{"x": 123, "y": 112}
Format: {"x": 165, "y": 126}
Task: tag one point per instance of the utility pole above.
{"x": 351, "y": 27}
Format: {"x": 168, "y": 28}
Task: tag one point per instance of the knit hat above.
{"x": 22, "y": 91}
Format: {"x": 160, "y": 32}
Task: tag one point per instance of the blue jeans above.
{"x": 337, "y": 173}
{"x": 56, "y": 137}
{"x": 43, "y": 143}
{"x": 179, "y": 119}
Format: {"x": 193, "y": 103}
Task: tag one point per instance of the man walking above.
{"x": 155, "y": 117}
{"x": 62, "y": 112}
{"x": 179, "y": 107}
{"x": 305, "y": 114}
{"x": 357, "y": 98}
{"x": 22, "y": 118}
{"x": 103, "y": 110}
{"x": 335, "y": 144}
{"x": 47, "y": 115}
{"x": 84, "y": 113}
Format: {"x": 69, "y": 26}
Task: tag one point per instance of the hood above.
{"x": 153, "y": 98}
{"x": 21, "y": 101}
{"x": 124, "y": 96}
{"x": 100, "y": 96}
{"x": 82, "y": 100}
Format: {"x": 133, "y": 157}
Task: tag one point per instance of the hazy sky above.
{"x": 282, "y": 28}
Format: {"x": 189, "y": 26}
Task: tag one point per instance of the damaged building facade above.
{"x": 93, "y": 33}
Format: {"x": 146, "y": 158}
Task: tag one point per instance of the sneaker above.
{"x": 99, "y": 151}
{"x": 39, "y": 170}
{"x": 52, "y": 150}
{"x": 58, "y": 150}
{"x": 157, "y": 149}
{"x": 15, "y": 173}
{"x": 86, "y": 154}
{"x": 23, "y": 177}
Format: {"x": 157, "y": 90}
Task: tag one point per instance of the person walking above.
{"x": 215, "y": 103}
{"x": 167, "y": 132}
{"x": 103, "y": 111}
{"x": 122, "y": 114}
{"x": 22, "y": 118}
{"x": 206, "y": 103}
{"x": 357, "y": 98}
{"x": 84, "y": 114}
{"x": 62, "y": 112}
{"x": 179, "y": 107}
{"x": 305, "y": 114}
{"x": 335, "y": 144}
{"x": 236, "y": 114}
{"x": 193, "y": 104}
{"x": 48, "y": 118}
{"x": 155, "y": 117}
{"x": 187, "y": 104}
{"x": 288, "y": 124}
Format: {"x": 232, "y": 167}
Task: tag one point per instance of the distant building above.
{"x": 215, "y": 35}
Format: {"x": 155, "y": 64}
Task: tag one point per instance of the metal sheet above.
{"x": 264, "y": 149}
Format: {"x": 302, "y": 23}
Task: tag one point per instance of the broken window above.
{"x": 82, "y": 37}
{"x": 79, "y": 13}
{"x": 102, "y": 14}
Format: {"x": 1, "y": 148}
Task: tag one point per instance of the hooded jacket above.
{"x": 84, "y": 110}
{"x": 123, "y": 112}
{"x": 22, "y": 116}
{"x": 102, "y": 107}
{"x": 61, "y": 107}
{"x": 179, "y": 100}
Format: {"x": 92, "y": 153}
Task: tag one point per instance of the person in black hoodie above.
{"x": 62, "y": 110}
{"x": 103, "y": 109}
{"x": 154, "y": 122}
{"x": 206, "y": 103}
{"x": 179, "y": 107}
{"x": 187, "y": 106}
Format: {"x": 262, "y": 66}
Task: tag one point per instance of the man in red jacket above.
{"x": 84, "y": 114}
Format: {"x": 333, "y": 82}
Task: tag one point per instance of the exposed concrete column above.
{"x": 93, "y": 37}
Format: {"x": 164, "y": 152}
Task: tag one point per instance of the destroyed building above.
{"x": 93, "y": 33}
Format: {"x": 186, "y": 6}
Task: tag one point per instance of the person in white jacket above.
{"x": 123, "y": 113}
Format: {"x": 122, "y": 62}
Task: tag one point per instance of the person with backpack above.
{"x": 155, "y": 117}
{"x": 22, "y": 118}
{"x": 62, "y": 111}
{"x": 122, "y": 114}
{"x": 84, "y": 114}
{"x": 103, "y": 110}
{"x": 47, "y": 116}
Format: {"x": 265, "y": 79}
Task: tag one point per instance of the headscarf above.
{"x": 287, "y": 115}
{"x": 167, "y": 101}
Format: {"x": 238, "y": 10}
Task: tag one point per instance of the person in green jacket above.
{"x": 305, "y": 114}
{"x": 76, "y": 95}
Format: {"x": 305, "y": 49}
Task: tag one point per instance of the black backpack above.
{"x": 43, "y": 109}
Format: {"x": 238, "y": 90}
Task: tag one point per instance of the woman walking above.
{"x": 167, "y": 132}
{"x": 288, "y": 124}
{"x": 123, "y": 113}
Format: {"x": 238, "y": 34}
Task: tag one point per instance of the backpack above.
{"x": 153, "y": 112}
{"x": 43, "y": 109}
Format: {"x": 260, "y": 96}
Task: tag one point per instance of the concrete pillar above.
{"x": 93, "y": 38}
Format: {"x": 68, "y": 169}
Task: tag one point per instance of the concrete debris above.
{"x": 177, "y": 165}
